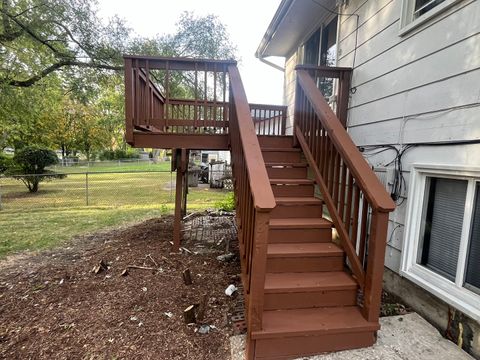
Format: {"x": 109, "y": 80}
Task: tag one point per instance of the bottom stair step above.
{"x": 316, "y": 321}
{"x": 288, "y": 334}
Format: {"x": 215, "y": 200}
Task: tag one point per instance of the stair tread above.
{"x": 308, "y": 281}
{"x": 276, "y": 250}
{"x": 292, "y": 181}
{"x": 303, "y": 223}
{"x": 286, "y": 164}
{"x": 313, "y": 321}
{"x": 279, "y": 149}
{"x": 306, "y": 200}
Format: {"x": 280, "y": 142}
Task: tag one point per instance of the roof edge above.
{"x": 272, "y": 28}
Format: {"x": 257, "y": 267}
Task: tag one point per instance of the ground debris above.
{"x": 100, "y": 267}
{"x": 89, "y": 314}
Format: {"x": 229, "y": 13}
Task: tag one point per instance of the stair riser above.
{"x": 294, "y": 347}
{"x": 296, "y": 211}
{"x": 304, "y": 300}
{"x": 299, "y": 235}
{"x": 281, "y": 156}
{"x": 287, "y": 172}
{"x": 293, "y": 190}
{"x": 275, "y": 141}
{"x": 304, "y": 264}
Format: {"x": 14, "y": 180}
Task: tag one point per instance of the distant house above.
{"x": 414, "y": 112}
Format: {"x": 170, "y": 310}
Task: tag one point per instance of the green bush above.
{"x": 119, "y": 154}
{"x": 227, "y": 204}
{"x": 5, "y": 163}
{"x": 29, "y": 163}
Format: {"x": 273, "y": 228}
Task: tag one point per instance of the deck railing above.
{"x": 269, "y": 119}
{"x": 186, "y": 96}
{"x": 254, "y": 197}
{"x": 334, "y": 83}
{"x": 356, "y": 200}
{"x": 176, "y": 95}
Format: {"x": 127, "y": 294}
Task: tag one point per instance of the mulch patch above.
{"x": 52, "y": 306}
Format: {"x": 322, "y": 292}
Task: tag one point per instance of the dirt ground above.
{"x": 52, "y": 306}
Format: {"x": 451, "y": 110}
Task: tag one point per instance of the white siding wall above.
{"x": 419, "y": 87}
{"x": 289, "y": 90}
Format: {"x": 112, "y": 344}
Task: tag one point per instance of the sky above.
{"x": 246, "y": 22}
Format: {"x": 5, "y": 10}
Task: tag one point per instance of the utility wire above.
{"x": 344, "y": 14}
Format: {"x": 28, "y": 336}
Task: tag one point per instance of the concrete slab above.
{"x": 405, "y": 337}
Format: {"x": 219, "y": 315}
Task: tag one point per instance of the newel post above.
{"x": 375, "y": 266}
{"x": 257, "y": 274}
{"x": 129, "y": 100}
{"x": 296, "y": 111}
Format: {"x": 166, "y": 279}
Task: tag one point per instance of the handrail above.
{"x": 357, "y": 202}
{"x": 254, "y": 200}
{"x": 369, "y": 183}
{"x": 262, "y": 194}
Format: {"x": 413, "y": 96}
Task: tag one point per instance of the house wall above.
{"x": 418, "y": 87}
{"x": 289, "y": 88}
{"x": 421, "y": 86}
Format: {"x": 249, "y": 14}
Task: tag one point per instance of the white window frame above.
{"x": 453, "y": 293}
{"x": 408, "y": 23}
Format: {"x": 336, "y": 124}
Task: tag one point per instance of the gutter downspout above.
{"x": 269, "y": 63}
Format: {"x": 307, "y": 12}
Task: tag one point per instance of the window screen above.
{"x": 473, "y": 260}
{"x": 442, "y": 225}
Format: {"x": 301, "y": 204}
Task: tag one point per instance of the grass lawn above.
{"x": 58, "y": 211}
{"x": 112, "y": 166}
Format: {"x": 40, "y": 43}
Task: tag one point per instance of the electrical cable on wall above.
{"x": 399, "y": 185}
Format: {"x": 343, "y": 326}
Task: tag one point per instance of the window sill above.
{"x": 407, "y": 25}
{"x": 462, "y": 299}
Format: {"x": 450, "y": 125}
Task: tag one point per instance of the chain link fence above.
{"x": 111, "y": 189}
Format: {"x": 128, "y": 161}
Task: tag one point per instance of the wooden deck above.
{"x": 304, "y": 293}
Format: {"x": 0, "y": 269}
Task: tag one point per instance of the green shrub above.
{"x": 29, "y": 163}
{"x": 119, "y": 154}
{"x": 5, "y": 163}
{"x": 227, "y": 204}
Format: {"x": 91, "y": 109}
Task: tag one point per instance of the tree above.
{"x": 29, "y": 165}
{"x": 39, "y": 37}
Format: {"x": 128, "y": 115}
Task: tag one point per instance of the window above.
{"x": 416, "y": 12}
{"x": 442, "y": 243}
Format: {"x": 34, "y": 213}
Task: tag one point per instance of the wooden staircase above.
{"x": 306, "y": 291}
{"x": 310, "y": 298}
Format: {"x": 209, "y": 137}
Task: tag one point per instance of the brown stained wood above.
{"x": 192, "y": 141}
{"x": 303, "y": 250}
{"x": 290, "y": 348}
{"x": 339, "y": 225}
{"x": 311, "y": 299}
{"x": 319, "y": 321}
{"x": 375, "y": 267}
{"x": 308, "y": 282}
{"x": 368, "y": 181}
{"x": 258, "y": 177}
{"x": 259, "y": 268}
{"x": 189, "y": 315}
{"x": 343, "y": 188}
{"x": 177, "y": 224}
{"x": 356, "y": 210}
{"x": 303, "y": 223}
{"x": 129, "y": 99}
{"x": 363, "y": 232}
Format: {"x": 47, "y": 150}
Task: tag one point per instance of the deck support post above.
{"x": 180, "y": 164}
